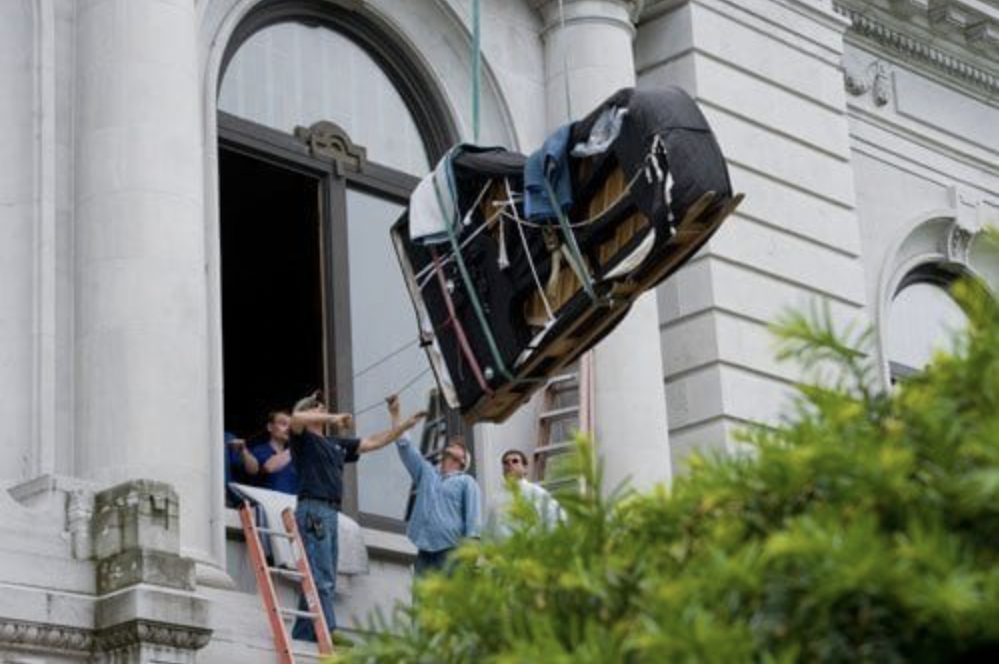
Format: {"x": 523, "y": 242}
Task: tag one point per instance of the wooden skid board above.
{"x": 560, "y": 352}
{"x": 692, "y": 234}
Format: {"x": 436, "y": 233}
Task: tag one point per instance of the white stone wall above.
{"x": 767, "y": 76}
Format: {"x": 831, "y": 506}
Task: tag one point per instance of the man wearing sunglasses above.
{"x": 515, "y": 473}
{"x": 448, "y": 502}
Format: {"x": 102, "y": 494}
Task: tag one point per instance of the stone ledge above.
{"x": 143, "y": 633}
{"x": 145, "y": 566}
{"x": 20, "y": 634}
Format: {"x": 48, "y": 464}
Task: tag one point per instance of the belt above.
{"x": 335, "y": 504}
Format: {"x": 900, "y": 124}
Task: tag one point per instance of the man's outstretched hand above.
{"x": 413, "y": 419}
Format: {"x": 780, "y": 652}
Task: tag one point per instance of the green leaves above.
{"x": 864, "y": 528}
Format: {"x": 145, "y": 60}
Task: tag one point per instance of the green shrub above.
{"x": 865, "y": 528}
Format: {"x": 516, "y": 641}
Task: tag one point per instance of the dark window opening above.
{"x": 272, "y": 289}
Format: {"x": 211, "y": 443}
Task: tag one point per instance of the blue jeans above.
{"x": 317, "y": 522}
{"x": 431, "y": 561}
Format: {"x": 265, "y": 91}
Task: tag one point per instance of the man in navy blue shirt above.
{"x": 319, "y": 460}
{"x": 277, "y": 472}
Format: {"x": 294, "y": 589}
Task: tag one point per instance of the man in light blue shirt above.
{"x": 448, "y": 503}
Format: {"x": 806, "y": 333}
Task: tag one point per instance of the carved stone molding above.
{"x": 959, "y": 240}
{"x": 875, "y": 78}
{"x": 920, "y": 45}
{"x": 19, "y": 634}
{"x": 142, "y": 632}
{"x": 969, "y": 211}
{"x": 327, "y": 139}
{"x": 634, "y": 7}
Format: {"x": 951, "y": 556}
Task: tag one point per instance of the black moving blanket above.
{"x": 668, "y": 156}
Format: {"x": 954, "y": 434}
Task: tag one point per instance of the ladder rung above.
{"x": 308, "y": 653}
{"x": 559, "y": 413}
{"x": 562, "y": 481}
{"x": 297, "y": 613}
{"x": 286, "y": 573}
{"x": 553, "y": 448}
{"x": 564, "y": 378}
{"x": 272, "y": 531}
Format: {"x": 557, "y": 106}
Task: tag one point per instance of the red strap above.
{"x": 459, "y": 331}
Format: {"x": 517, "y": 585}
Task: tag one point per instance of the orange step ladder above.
{"x": 265, "y": 581}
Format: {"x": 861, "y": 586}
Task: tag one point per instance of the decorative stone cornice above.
{"x": 956, "y": 39}
{"x": 634, "y": 6}
{"x": 18, "y": 634}
{"x": 552, "y": 12}
{"x": 145, "y": 633}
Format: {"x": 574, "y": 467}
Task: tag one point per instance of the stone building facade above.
{"x": 137, "y": 135}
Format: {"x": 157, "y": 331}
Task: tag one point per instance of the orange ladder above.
{"x": 265, "y": 581}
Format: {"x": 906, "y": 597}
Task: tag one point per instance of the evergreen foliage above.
{"x": 865, "y": 528}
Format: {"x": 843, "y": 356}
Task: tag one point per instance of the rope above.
{"x": 386, "y": 358}
{"x": 473, "y": 297}
{"x": 530, "y": 259}
{"x": 400, "y": 390}
{"x": 565, "y": 62}
{"x": 584, "y": 222}
{"x": 425, "y": 274}
{"x": 574, "y": 255}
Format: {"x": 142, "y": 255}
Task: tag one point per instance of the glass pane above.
{"x": 290, "y": 74}
{"x": 923, "y": 319}
{"x": 382, "y": 321}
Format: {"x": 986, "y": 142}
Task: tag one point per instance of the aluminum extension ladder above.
{"x": 276, "y": 614}
{"x": 566, "y": 405}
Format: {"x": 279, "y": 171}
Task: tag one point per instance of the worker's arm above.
{"x": 302, "y": 419}
{"x": 472, "y": 503}
{"x": 278, "y": 461}
{"x": 246, "y": 458}
{"x": 381, "y": 439}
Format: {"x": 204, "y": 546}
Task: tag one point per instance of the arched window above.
{"x": 915, "y": 312}
{"x": 291, "y": 74}
{"x": 325, "y": 125}
{"x": 922, "y": 319}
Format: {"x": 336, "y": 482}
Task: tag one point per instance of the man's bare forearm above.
{"x": 379, "y": 440}
{"x": 306, "y": 418}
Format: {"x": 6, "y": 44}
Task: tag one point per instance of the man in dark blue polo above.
{"x": 276, "y": 471}
{"x": 319, "y": 460}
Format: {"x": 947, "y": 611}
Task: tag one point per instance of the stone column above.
{"x": 141, "y": 345}
{"x": 588, "y": 56}
{"x": 17, "y": 217}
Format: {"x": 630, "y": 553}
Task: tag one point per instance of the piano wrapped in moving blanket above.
{"x": 516, "y": 265}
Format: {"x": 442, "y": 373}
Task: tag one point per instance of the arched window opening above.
{"x": 325, "y": 127}
{"x": 923, "y": 319}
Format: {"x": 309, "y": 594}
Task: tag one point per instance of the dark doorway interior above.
{"x": 272, "y": 311}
